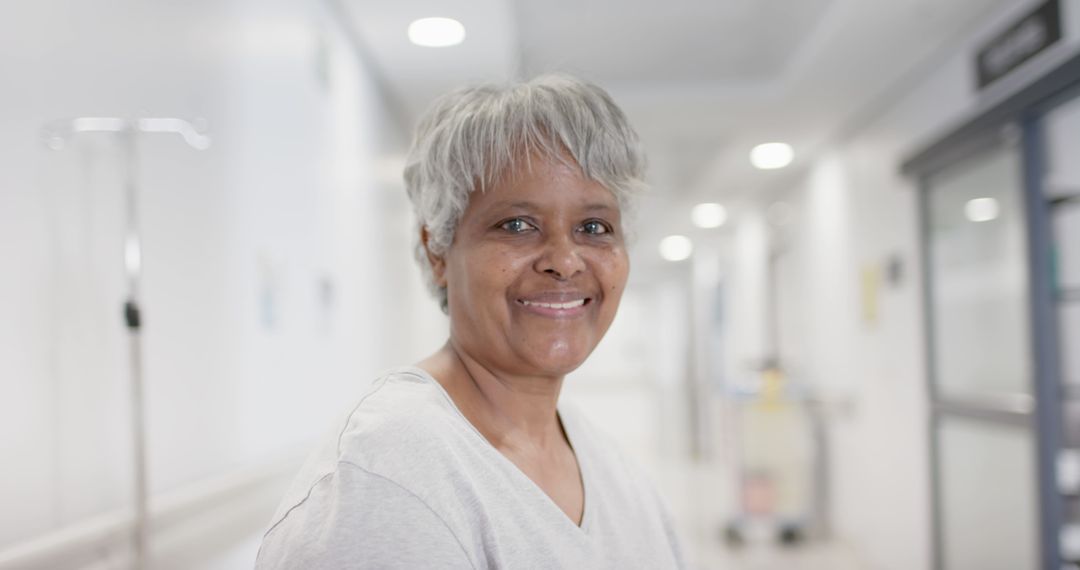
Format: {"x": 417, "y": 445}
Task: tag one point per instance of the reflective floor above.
{"x": 701, "y": 503}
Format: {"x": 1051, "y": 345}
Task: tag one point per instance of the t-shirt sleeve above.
{"x": 352, "y": 518}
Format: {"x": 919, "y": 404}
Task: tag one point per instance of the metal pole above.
{"x": 55, "y": 136}
{"x": 133, "y": 321}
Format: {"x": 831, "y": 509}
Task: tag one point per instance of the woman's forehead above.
{"x": 545, "y": 185}
{"x": 527, "y": 163}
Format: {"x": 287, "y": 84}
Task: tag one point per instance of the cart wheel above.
{"x": 790, "y": 534}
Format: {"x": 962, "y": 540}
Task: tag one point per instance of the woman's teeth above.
{"x": 567, "y": 305}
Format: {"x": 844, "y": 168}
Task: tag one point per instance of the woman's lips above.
{"x": 556, "y": 305}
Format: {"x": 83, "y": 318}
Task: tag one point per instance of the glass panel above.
{"x": 1069, "y": 319}
{"x": 1072, "y": 423}
{"x": 1062, "y": 182}
{"x": 1063, "y": 146}
{"x": 979, "y": 289}
{"x": 1067, "y": 247}
{"x": 988, "y": 508}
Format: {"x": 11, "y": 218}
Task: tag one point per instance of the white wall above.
{"x": 246, "y": 356}
{"x": 747, "y": 299}
{"x": 853, "y": 213}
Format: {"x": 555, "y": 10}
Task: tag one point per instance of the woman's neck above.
{"x": 513, "y": 412}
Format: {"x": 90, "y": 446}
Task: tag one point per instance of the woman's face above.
{"x": 536, "y": 270}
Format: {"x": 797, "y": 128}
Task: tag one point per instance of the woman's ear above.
{"x": 438, "y": 264}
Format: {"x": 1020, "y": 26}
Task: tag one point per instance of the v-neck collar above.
{"x": 569, "y": 427}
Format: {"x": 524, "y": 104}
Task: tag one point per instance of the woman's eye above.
{"x": 595, "y": 227}
{"x": 517, "y": 226}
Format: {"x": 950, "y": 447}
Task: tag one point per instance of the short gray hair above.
{"x": 471, "y": 137}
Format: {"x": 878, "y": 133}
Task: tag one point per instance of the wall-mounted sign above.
{"x": 1023, "y": 40}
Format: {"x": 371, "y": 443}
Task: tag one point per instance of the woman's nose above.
{"x": 561, "y": 258}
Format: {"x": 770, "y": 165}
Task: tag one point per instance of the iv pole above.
{"x": 56, "y": 135}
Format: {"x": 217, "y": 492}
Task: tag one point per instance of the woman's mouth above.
{"x": 555, "y": 307}
{"x": 567, "y": 305}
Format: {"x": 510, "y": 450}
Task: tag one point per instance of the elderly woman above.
{"x": 467, "y": 459}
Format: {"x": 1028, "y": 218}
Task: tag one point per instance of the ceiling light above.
{"x": 770, "y": 156}
{"x": 436, "y": 32}
{"x": 676, "y": 248}
{"x": 708, "y": 215}
{"x": 982, "y": 209}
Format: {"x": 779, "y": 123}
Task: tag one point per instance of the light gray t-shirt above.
{"x": 408, "y": 482}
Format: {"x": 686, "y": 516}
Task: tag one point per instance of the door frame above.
{"x": 1018, "y": 118}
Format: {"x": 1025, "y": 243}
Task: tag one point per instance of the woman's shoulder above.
{"x": 371, "y": 489}
{"x": 404, "y": 411}
{"x": 403, "y": 430}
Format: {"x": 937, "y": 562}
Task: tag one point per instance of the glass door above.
{"x": 981, "y": 364}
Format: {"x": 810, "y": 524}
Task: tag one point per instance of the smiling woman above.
{"x": 467, "y": 459}
{"x": 536, "y": 270}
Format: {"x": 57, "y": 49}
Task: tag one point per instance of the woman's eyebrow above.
{"x": 505, "y": 205}
{"x": 599, "y": 206}
{"x": 521, "y": 205}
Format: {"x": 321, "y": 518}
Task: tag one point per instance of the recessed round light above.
{"x": 436, "y": 32}
{"x": 770, "y": 156}
{"x": 982, "y": 209}
{"x": 676, "y": 248}
{"x": 708, "y": 215}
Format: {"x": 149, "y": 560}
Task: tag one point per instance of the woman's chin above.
{"x": 559, "y": 359}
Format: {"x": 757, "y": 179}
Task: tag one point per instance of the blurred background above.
{"x": 851, "y": 338}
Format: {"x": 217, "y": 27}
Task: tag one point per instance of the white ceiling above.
{"x": 678, "y": 41}
{"x": 415, "y": 75}
{"x": 701, "y": 81}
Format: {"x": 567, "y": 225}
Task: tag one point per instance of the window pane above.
{"x": 988, "y": 496}
{"x": 979, "y": 287}
{"x": 1067, "y": 247}
{"x": 1062, "y": 128}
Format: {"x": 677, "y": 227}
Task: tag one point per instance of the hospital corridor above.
{"x": 846, "y": 240}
